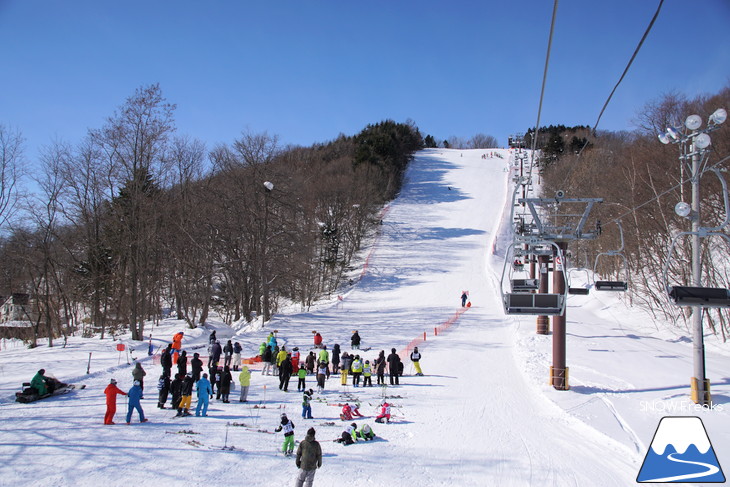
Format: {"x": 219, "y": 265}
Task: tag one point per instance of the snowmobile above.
{"x": 56, "y": 388}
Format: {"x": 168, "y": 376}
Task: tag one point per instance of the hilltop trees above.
{"x": 135, "y": 222}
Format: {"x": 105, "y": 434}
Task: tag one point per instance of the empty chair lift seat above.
{"x": 525, "y": 285}
{"x": 709, "y": 297}
{"x": 533, "y": 304}
{"x": 611, "y": 286}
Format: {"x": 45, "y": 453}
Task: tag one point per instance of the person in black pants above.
{"x": 285, "y": 371}
{"x": 393, "y": 367}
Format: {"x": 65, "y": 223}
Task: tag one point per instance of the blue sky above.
{"x": 307, "y": 71}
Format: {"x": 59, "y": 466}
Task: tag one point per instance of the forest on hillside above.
{"x": 641, "y": 180}
{"x": 136, "y": 222}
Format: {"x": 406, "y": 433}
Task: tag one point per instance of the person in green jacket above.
{"x": 38, "y": 382}
{"x": 309, "y": 459}
{"x": 244, "y": 378}
{"x": 302, "y": 374}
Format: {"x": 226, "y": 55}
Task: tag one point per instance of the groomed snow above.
{"x": 482, "y": 415}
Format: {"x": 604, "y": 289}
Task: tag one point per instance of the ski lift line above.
{"x": 660, "y": 195}
{"x": 613, "y": 285}
{"x": 544, "y": 79}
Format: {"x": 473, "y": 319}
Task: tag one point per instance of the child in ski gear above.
{"x": 183, "y": 408}
{"x": 345, "y": 362}
{"x": 348, "y": 412}
{"x": 163, "y": 385}
{"x": 309, "y": 459}
{"x": 317, "y": 340}
{"x": 384, "y": 415}
{"x": 367, "y": 373}
{"x": 415, "y": 358}
{"x": 196, "y": 366}
{"x": 138, "y": 374}
{"x": 356, "y": 371}
{"x": 302, "y": 374}
{"x": 393, "y": 367}
{"x": 307, "y": 404}
{"x": 349, "y": 436}
{"x": 288, "y": 427}
{"x": 226, "y": 379}
{"x": 111, "y": 392}
{"x": 275, "y": 360}
{"x": 365, "y": 433}
{"x": 464, "y": 297}
{"x": 205, "y": 391}
{"x": 355, "y": 340}
{"x": 262, "y": 349}
{"x": 244, "y": 379}
{"x": 218, "y": 378}
{"x": 135, "y": 394}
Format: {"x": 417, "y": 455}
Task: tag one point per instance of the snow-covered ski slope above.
{"x": 482, "y": 415}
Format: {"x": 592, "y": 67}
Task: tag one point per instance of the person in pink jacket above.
{"x": 111, "y": 392}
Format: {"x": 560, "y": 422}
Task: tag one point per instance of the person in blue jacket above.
{"x": 135, "y": 394}
{"x": 205, "y": 391}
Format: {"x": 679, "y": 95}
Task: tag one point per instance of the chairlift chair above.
{"x": 613, "y": 285}
{"x": 697, "y": 296}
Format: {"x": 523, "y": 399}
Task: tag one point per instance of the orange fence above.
{"x": 442, "y": 327}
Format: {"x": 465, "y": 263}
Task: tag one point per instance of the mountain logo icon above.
{"x": 680, "y": 452}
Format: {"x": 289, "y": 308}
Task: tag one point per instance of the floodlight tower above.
{"x": 694, "y": 143}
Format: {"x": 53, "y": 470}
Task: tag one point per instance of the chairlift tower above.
{"x": 558, "y": 220}
{"x": 694, "y": 142}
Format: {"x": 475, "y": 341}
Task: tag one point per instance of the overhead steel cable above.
{"x": 544, "y": 79}
{"x": 626, "y": 70}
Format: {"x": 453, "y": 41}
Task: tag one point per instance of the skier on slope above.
{"x": 163, "y": 385}
{"x": 244, "y": 379}
{"x": 205, "y": 391}
{"x": 288, "y": 427}
{"x": 349, "y": 436}
{"x": 307, "y": 404}
{"x": 111, "y": 392}
{"x": 135, "y": 394}
{"x": 355, "y": 340}
{"x": 416, "y": 358}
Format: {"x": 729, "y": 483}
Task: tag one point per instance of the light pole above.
{"x": 694, "y": 142}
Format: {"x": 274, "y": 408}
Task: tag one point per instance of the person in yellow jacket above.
{"x": 367, "y": 372}
{"x": 281, "y": 356}
{"x": 244, "y": 378}
{"x": 356, "y": 368}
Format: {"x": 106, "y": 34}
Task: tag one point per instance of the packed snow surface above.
{"x": 482, "y": 415}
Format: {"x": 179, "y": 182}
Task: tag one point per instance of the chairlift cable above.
{"x": 626, "y": 70}
{"x": 544, "y": 79}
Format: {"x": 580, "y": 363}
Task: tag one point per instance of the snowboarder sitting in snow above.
{"x": 365, "y": 433}
{"x": 288, "y": 427}
{"x": 384, "y": 415}
{"x": 349, "y": 436}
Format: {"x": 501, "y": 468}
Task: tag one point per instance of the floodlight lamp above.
{"x": 719, "y": 116}
{"x": 702, "y": 141}
{"x": 269, "y": 185}
{"x": 682, "y": 209}
{"x": 673, "y": 133}
{"x": 664, "y": 139}
{"x": 693, "y": 122}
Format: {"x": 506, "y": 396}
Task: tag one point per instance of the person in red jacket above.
{"x": 111, "y": 392}
{"x": 177, "y": 345}
{"x": 317, "y": 340}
